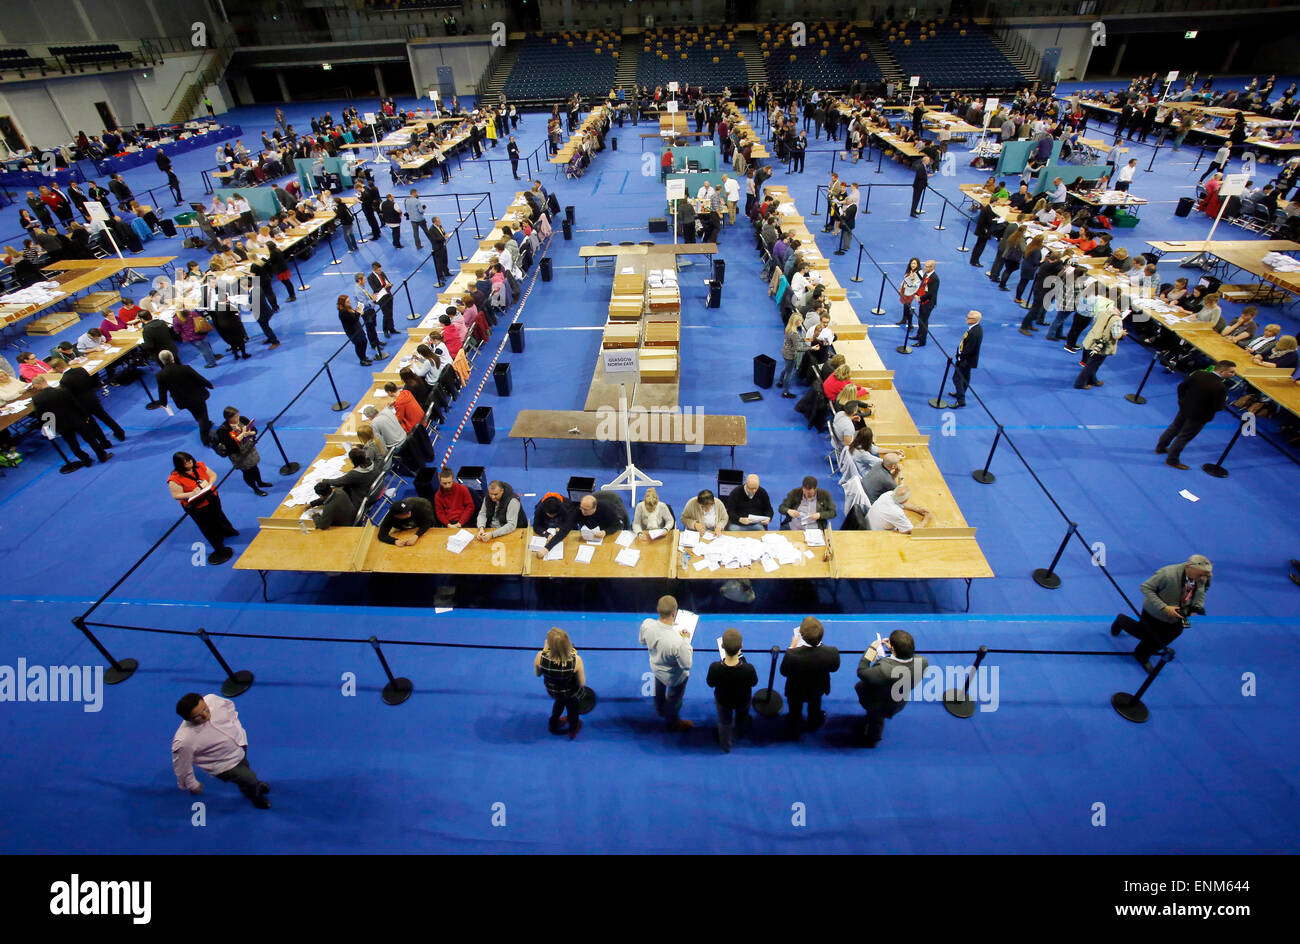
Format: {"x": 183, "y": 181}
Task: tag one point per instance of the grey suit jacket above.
{"x": 1165, "y": 588}
{"x": 889, "y": 681}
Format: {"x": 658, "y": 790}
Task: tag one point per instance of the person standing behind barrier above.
{"x": 194, "y": 485}
{"x": 929, "y": 296}
{"x": 236, "y": 439}
{"x": 415, "y": 211}
{"x": 920, "y": 179}
{"x": 343, "y": 217}
{"x": 807, "y": 669}
{"x": 211, "y": 736}
{"x": 968, "y": 357}
{"x": 1200, "y": 396}
{"x": 670, "y": 662}
{"x": 383, "y": 292}
{"x": 1169, "y": 597}
{"x": 565, "y": 677}
{"x": 732, "y": 680}
{"x": 350, "y": 318}
{"x": 886, "y": 676}
{"x": 848, "y": 219}
{"x": 364, "y": 302}
{"x": 911, "y": 284}
{"x": 438, "y": 248}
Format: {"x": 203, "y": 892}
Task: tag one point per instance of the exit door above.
{"x": 106, "y": 116}
{"x": 446, "y": 83}
{"x": 12, "y": 137}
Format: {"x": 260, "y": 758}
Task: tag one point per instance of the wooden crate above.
{"x": 665, "y": 334}
{"x": 658, "y": 365}
{"x": 621, "y": 334}
{"x": 626, "y": 307}
{"x": 96, "y": 302}
{"x": 664, "y": 299}
{"x": 52, "y": 323}
{"x": 629, "y": 283}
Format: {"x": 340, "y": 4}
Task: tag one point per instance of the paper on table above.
{"x": 687, "y": 621}
{"x": 656, "y": 533}
{"x": 627, "y": 557}
{"x": 589, "y": 534}
{"x": 536, "y": 542}
{"x": 701, "y": 564}
{"x": 808, "y": 554}
{"x": 690, "y": 539}
{"x": 585, "y": 553}
{"x": 459, "y": 541}
{"x": 769, "y": 564}
{"x": 813, "y": 537}
{"x": 556, "y": 553}
{"x": 624, "y": 539}
{"x": 1188, "y": 495}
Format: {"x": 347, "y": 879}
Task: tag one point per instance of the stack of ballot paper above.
{"x": 731, "y": 552}
{"x": 687, "y": 621}
{"x": 304, "y": 493}
{"x": 537, "y": 543}
{"x": 627, "y": 557}
{"x": 590, "y": 536}
{"x": 460, "y": 540}
{"x": 625, "y": 539}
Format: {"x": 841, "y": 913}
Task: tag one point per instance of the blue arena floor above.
{"x": 1213, "y": 771}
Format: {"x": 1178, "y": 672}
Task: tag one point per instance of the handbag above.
{"x": 283, "y": 276}
{"x": 202, "y": 325}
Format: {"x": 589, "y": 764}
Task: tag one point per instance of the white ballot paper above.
{"x": 590, "y": 536}
{"x": 813, "y": 537}
{"x": 656, "y": 533}
{"x": 555, "y": 553}
{"x": 627, "y": 557}
{"x": 687, "y": 621}
{"x": 690, "y": 539}
{"x": 536, "y": 542}
{"x": 585, "y": 553}
{"x": 721, "y": 652}
{"x": 625, "y": 539}
{"x": 1189, "y": 496}
{"x": 459, "y": 541}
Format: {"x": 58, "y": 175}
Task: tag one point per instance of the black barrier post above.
{"x": 866, "y": 206}
{"x": 491, "y": 212}
{"x": 459, "y": 248}
{"x": 984, "y": 476}
{"x": 907, "y": 333}
{"x": 880, "y": 300}
{"x": 942, "y": 210}
{"x": 236, "y": 683}
{"x": 963, "y": 247}
{"x": 880, "y": 160}
{"x": 1137, "y": 397}
{"x": 289, "y": 467}
{"x": 329, "y": 238}
{"x": 398, "y": 689}
{"x": 1129, "y": 706}
{"x": 302, "y": 286}
{"x": 69, "y": 465}
{"x": 1048, "y": 579}
{"x": 339, "y": 403}
{"x": 491, "y": 179}
{"x": 958, "y": 702}
{"x": 767, "y": 701}
{"x": 406, "y": 287}
{"x": 119, "y": 670}
{"x": 939, "y": 403}
{"x": 834, "y": 154}
{"x": 460, "y": 216}
{"x": 1154, "y": 152}
{"x": 1216, "y": 468}
{"x": 857, "y": 277}
{"x": 154, "y": 403}
{"x": 474, "y": 213}
{"x": 1198, "y": 158}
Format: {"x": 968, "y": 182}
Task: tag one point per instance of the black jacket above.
{"x": 739, "y": 505}
{"x": 1202, "y": 395}
{"x": 78, "y": 382}
{"x": 62, "y": 404}
{"x": 560, "y": 514}
{"x": 185, "y": 384}
{"x": 156, "y": 336}
{"x": 421, "y": 520}
{"x": 931, "y": 296}
{"x": 807, "y": 670}
{"x": 357, "y": 483}
{"x": 968, "y": 351}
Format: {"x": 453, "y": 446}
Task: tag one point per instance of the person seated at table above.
{"x": 887, "y": 512}
{"x": 748, "y": 507}
{"x": 1210, "y": 312}
{"x": 499, "y": 514}
{"x": 1103, "y": 249}
{"x": 821, "y": 338}
{"x": 408, "y": 409}
{"x": 453, "y": 332}
{"x": 1118, "y": 261}
{"x": 238, "y": 204}
{"x": 883, "y": 477}
{"x": 92, "y": 341}
{"x": 410, "y": 516}
{"x": 11, "y": 388}
{"x": 1174, "y": 294}
{"x": 1084, "y": 241}
{"x": 1283, "y": 355}
{"x": 453, "y": 504}
{"x": 367, "y": 440}
{"x": 704, "y": 514}
{"x": 862, "y": 452}
{"x": 1242, "y": 328}
{"x": 146, "y": 214}
{"x": 651, "y": 515}
{"x": 847, "y": 420}
{"x": 840, "y": 380}
{"x": 358, "y": 480}
{"x": 553, "y": 518}
{"x": 29, "y": 366}
{"x": 332, "y": 508}
{"x": 807, "y": 506}
{"x": 1021, "y": 199}
{"x": 1144, "y": 280}
{"x": 218, "y": 207}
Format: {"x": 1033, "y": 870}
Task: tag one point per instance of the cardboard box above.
{"x": 626, "y": 308}
{"x": 53, "y": 323}
{"x": 665, "y": 334}
{"x": 96, "y": 302}
{"x": 621, "y": 334}
{"x": 658, "y": 365}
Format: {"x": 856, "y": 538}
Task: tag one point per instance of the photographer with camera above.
{"x": 1169, "y": 597}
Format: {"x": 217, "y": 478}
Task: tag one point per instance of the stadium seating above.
{"x": 18, "y": 60}
{"x": 91, "y": 54}
{"x": 950, "y": 54}
{"x": 707, "y": 56}
{"x": 833, "y": 56}
{"x": 552, "y": 66}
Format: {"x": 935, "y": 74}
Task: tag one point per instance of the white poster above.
{"x": 621, "y": 363}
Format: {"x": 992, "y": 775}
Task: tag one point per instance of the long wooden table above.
{"x": 646, "y": 426}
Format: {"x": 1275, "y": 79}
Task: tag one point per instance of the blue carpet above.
{"x": 353, "y": 775}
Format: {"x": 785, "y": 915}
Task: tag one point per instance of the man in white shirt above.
{"x": 670, "y": 661}
{"x": 731, "y": 187}
{"x": 237, "y": 204}
{"x": 211, "y": 737}
{"x": 1125, "y": 178}
{"x": 92, "y": 340}
{"x": 887, "y": 512}
{"x": 1058, "y": 192}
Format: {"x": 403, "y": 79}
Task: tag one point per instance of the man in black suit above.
{"x": 968, "y": 357}
{"x": 1200, "y": 396}
{"x": 887, "y": 674}
{"x": 156, "y": 336}
{"x": 848, "y": 219}
{"x": 929, "y": 298}
{"x": 438, "y": 247}
{"x": 60, "y": 413}
{"x": 920, "y": 178}
{"x": 807, "y": 668}
{"x": 513, "y": 150}
{"x": 382, "y": 290}
{"x": 187, "y": 387}
{"x": 370, "y": 202}
{"x": 78, "y": 382}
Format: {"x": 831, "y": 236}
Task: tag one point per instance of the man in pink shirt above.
{"x": 211, "y": 737}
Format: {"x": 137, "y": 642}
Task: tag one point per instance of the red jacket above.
{"x": 409, "y": 413}
{"x": 454, "y": 504}
{"x": 453, "y": 335}
{"x": 833, "y": 385}
{"x": 474, "y": 317}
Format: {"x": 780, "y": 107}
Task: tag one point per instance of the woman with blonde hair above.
{"x": 651, "y": 515}
{"x": 366, "y": 439}
{"x": 793, "y": 347}
{"x": 562, "y": 672}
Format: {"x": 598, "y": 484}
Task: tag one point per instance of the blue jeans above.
{"x": 786, "y": 374}
{"x": 756, "y": 526}
{"x": 668, "y": 701}
{"x": 206, "y": 350}
{"x": 1056, "y": 332}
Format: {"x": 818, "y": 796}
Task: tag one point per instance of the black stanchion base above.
{"x": 414, "y": 317}
{"x": 124, "y": 670}
{"x": 1218, "y": 471}
{"x": 304, "y": 286}
{"x": 397, "y": 691}
{"x": 958, "y": 703}
{"x": 289, "y": 468}
{"x": 340, "y": 406}
{"x": 903, "y": 349}
{"x": 1129, "y": 707}
{"x": 877, "y": 311}
{"x": 586, "y": 701}
{"x": 69, "y": 467}
{"x": 939, "y": 403}
{"x": 963, "y": 248}
{"x": 1046, "y": 579}
{"x": 1135, "y": 398}
{"x": 767, "y": 702}
{"x": 984, "y": 477}
{"x": 855, "y": 278}
{"x": 237, "y": 684}
{"x": 153, "y": 406}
